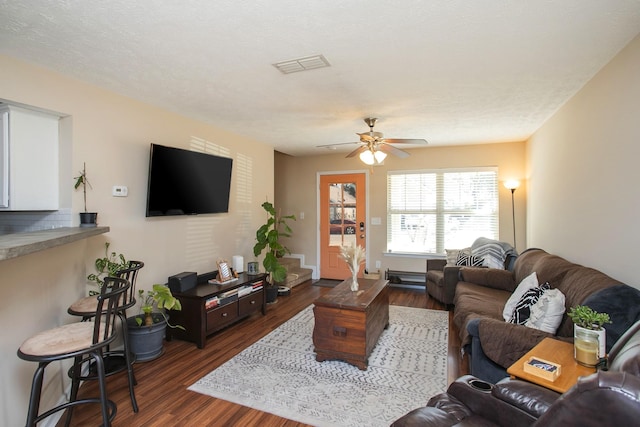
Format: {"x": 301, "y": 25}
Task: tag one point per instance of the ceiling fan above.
{"x": 374, "y": 147}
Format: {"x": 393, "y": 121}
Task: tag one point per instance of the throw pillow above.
{"x": 546, "y": 315}
{"x": 522, "y": 309}
{"x": 452, "y": 255}
{"x": 531, "y": 281}
{"x": 468, "y": 260}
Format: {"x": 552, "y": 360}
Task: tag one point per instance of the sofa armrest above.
{"x": 531, "y": 398}
{"x": 436, "y": 264}
{"x": 489, "y": 277}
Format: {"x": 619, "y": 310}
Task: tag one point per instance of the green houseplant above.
{"x": 589, "y": 335}
{"x": 87, "y": 219}
{"x": 268, "y": 240}
{"x": 146, "y": 330}
{"x": 108, "y": 265}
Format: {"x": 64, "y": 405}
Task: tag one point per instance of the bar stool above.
{"x": 76, "y": 340}
{"x": 86, "y": 308}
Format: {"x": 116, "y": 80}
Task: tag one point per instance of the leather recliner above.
{"x": 609, "y": 397}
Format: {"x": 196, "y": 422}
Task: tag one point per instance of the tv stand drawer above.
{"x": 221, "y": 316}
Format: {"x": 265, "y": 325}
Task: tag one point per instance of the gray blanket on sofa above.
{"x": 492, "y": 251}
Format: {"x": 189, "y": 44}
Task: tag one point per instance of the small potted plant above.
{"x": 268, "y": 237}
{"x": 87, "y": 219}
{"x": 589, "y": 335}
{"x": 109, "y": 265}
{"x": 147, "y": 330}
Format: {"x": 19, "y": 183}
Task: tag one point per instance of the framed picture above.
{"x": 224, "y": 272}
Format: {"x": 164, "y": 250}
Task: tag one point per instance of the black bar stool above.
{"x": 77, "y": 340}
{"x": 115, "y": 361}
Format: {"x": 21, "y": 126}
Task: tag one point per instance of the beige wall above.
{"x": 112, "y": 134}
{"x": 296, "y": 184}
{"x": 584, "y": 174}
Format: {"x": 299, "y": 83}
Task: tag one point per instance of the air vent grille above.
{"x": 302, "y": 64}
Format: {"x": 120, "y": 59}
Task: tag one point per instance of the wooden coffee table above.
{"x": 555, "y": 351}
{"x": 348, "y": 324}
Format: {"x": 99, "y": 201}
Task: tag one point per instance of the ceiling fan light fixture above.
{"x": 367, "y": 157}
{"x": 380, "y": 156}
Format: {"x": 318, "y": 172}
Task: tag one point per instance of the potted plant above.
{"x": 87, "y": 219}
{"x": 268, "y": 238}
{"x": 109, "y": 265}
{"x": 146, "y": 330}
{"x": 589, "y": 335}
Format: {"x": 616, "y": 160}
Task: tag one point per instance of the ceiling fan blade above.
{"x": 357, "y": 151}
{"x": 386, "y": 148}
{"x": 405, "y": 141}
{"x": 335, "y": 145}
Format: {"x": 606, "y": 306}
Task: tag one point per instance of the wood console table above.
{"x": 555, "y": 351}
{"x": 205, "y": 311}
{"x": 348, "y": 324}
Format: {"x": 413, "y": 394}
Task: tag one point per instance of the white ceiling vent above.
{"x": 302, "y": 64}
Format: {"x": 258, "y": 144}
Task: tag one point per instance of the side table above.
{"x": 555, "y": 351}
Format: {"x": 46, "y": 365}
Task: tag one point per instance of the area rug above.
{"x": 280, "y": 375}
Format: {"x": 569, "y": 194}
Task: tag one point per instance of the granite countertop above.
{"x": 19, "y": 244}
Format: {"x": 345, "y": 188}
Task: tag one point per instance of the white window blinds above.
{"x": 428, "y": 211}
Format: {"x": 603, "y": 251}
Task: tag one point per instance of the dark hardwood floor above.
{"x": 162, "y": 393}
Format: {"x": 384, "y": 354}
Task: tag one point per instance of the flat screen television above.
{"x": 183, "y": 182}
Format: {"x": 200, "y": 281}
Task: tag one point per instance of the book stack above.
{"x": 212, "y": 303}
{"x": 256, "y": 286}
{"x": 244, "y": 290}
{"x": 228, "y": 296}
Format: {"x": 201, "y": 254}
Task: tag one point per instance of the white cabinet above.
{"x": 28, "y": 160}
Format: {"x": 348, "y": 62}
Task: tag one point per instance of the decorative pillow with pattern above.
{"x": 452, "y": 255}
{"x": 522, "y": 311}
{"x": 546, "y": 314}
{"x": 531, "y": 281}
{"x": 468, "y": 260}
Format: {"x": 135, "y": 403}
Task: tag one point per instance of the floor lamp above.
{"x": 512, "y": 185}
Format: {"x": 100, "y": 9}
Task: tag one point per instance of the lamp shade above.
{"x": 367, "y": 157}
{"x": 512, "y": 184}
{"x": 380, "y": 156}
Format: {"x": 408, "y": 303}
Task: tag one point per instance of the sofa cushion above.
{"x": 547, "y": 313}
{"x": 529, "y": 282}
{"x": 489, "y": 277}
{"x": 473, "y": 301}
{"x": 522, "y": 309}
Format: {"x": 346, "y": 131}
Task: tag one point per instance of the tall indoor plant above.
{"x": 87, "y": 219}
{"x": 147, "y": 330}
{"x": 268, "y": 239}
{"x": 589, "y": 337}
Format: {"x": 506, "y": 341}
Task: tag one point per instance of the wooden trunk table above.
{"x": 348, "y": 324}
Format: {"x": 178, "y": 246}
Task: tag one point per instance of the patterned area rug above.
{"x": 280, "y": 375}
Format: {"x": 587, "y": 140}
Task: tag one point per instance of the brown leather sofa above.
{"x": 609, "y": 397}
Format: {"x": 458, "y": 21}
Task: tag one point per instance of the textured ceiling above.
{"x": 451, "y": 72}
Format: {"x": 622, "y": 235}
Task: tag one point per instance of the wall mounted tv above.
{"x": 183, "y": 182}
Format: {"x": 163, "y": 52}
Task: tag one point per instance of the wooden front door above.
{"x": 342, "y": 220}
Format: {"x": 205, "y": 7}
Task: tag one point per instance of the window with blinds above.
{"x": 428, "y": 211}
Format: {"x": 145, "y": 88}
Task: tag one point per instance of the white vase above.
{"x": 589, "y": 345}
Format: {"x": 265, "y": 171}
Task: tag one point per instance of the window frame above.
{"x": 440, "y": 210}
